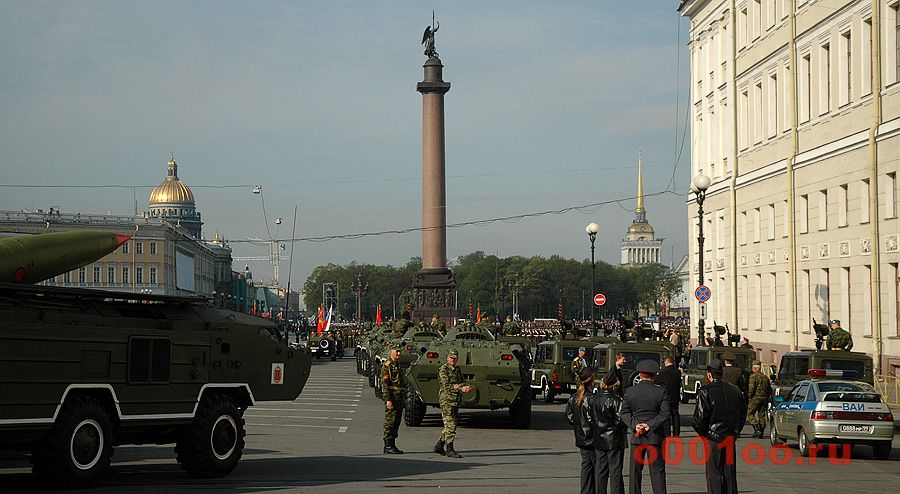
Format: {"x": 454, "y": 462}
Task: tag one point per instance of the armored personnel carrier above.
{"x": 413, "y": 344}
{"x": 369, "y": 346}
{"x": 497, "y": 372}
{"x": 85, "y": 370}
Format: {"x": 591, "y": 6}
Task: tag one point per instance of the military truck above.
{"x": 412, "y": 344}
{"x": 551, "y": 372}
{"x": 693, "y": 373}
{"x": 795, "y": 367}
{"x": 85, "y": 370}
{"x": 328, "y": 344}
{"x": 603, "y": 357}
{"x": 496, "y": 371}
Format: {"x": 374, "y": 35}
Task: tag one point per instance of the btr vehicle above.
{"x": 364, "y": 343}
{"x": 603, "y": 357}
{"x": 328, "y": 344}
{"x": 795, "y": 367}
{"x": 828, "y": 409}
{"x": 496, "y": 371}
{"x": 85, "y": 370}
{"x": 551, "y": 371}
{"x": 412, "y": 344}
{"x": 694, "y": 372}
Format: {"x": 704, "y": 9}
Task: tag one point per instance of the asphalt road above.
{"x": 329, "y": 440}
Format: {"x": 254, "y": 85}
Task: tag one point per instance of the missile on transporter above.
{"x": 29, "y": 259}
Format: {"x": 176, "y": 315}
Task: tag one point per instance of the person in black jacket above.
{"x": 718, "y": 417}
{"x": 610, "y": 438}
{"x": 578, "y": 413}
{"x": 616, "y": 371}
{"x": 670, "y": 380}
{"x": 645, "y": 410}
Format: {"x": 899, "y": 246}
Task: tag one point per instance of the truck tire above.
{"x": 372, "y": 373}
{"x": 213, "y": 445}
{"x": 520, "y": 412}
{"x": 76, "y": 451}
{"x": 415, "y": 408}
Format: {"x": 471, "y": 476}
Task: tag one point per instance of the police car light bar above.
{"x": 850, "y": 374}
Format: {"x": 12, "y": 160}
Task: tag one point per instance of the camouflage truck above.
{"x": 795, "y": 367}
{"x": 551, "y": 371}
{"x": 85, "y": 370}
{"x": 603, "y": 356}
{"x": 413, "y": 344}
{"x": 693, "y": 374}
{"x": 496, "y": 371}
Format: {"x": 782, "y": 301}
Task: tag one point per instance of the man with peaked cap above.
{"x": 645, "y": 410}
{"x": 393, "y": 385}
{"x": 452, "y": 386}
{"x": 719, "y": 418}
{"x": 734, "y": 374}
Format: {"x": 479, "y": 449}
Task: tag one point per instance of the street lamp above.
{"x": 359, "y": 289}
{"x": 592, "y": 230}
{"x": 698, "y": 186}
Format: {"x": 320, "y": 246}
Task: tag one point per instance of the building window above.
{"x": 111, "y": 274}
{"x": 770, "y": 222}
{"x": 842, "y": 205}
{"x": 890, "y": 206}
{"x": 803, "y": 213}
{"x": 823, "y": 295}
{"x": 770, "y": 13}
{"x": 823, "y": 210}
{"x": 82, "y": 275}
{"x": 846, "y": 68}
{"x": 744, "y": 119}
{"x": 786, "y": 291}
{"x": 125, "y": 273}
{"x": 864, "y": 201}
{"x": 152, "y": 275}
{"x": 742, "y": 289}
{"x": 825, "y": 79}
{"x": 757, "y": 113}
{"x": 67, "y": 277}
{"x": 757, "y": 295}
{"x": 805, "y": 85}
{"x": 720, "y": 229}
{"x": 805, "y": 300}
{"x": 96, "y": 278}
{"x": 894, "y": 297}
{"x": 845, "y": 294}
{"x": 139, "y": 275}
{"x": 772, "y": 106}
{"x": 757, "y": 18}
{"x": 125, "y": 247}
{"x": 756, "y": 225}
{"x": 139, "y": 247}
{"x": 786, "y": 103}
{"x": 867, "y": 300}
{"x": 893, "y": 44}
{"x": 742, "y": 28}
{"x": 788, "y": 217}
{"x": 865, "y": 86}
{"x": 743, "y": 229}
{"x": 152, "y": 248}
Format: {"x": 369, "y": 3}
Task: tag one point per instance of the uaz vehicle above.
{"x": 85, "y": 370}
{"x": 328, "y": 344}
{"x": 694, "y": 373}
{"x": 551, "y": 371}
{"x": 795, "y": 367}
{"x": 604, "y": 357}
{"x": 823, "y": 410}
{"x": 496, "y": 371}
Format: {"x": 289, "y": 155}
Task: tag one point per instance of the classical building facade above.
{"x": 796, "y": 119}
{"x": 640, "y": 245}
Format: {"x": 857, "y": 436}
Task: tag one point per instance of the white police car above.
{"x": 828, "y": 408}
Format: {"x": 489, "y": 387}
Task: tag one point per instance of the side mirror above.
{"x": 778, "y": 399}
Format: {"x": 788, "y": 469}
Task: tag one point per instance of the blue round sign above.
{"x": 702, "y": 293}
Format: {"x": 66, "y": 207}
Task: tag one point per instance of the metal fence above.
{"x": 889, "y": 387}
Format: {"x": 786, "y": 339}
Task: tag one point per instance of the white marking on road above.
{"x": 302, "y": 410}
{"x": 299, "y": 417}
{"x": 329, "y": 399}
{"x": 343, "y": 429}
{"x": 296, "y": 425}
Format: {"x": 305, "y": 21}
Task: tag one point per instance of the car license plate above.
{"x": 855, "y": 428}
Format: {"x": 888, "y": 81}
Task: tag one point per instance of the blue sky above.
{"x": 316, "y": 101}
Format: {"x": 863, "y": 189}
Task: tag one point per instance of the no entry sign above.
{"x": 599, "y": 299}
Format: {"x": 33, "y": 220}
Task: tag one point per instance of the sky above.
{"x": 316, "y": 102}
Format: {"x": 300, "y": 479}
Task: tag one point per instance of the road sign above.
{"x": 703, "y": 293}
{"x": 599, "y": 299}
{"x": 702, "y": 310}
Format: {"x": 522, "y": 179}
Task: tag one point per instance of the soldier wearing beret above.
{"x": 452, "y": 387}
{"x": 579, "y": 362}
{"x": 645, "y": 410}
{"x": 838, "y": 338}
{"x": 393, "y": 385}
{"x": 438, "y": 325}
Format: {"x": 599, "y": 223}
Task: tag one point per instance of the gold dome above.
{"x": 172, "y": 190}
{"x": 640, "y": 229}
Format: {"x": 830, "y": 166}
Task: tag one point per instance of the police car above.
{"x": 829, "y": 408}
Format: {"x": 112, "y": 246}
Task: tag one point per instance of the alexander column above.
{"x": 434, "y": 283}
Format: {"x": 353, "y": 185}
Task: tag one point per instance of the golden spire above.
{"x": 640, "y": 190}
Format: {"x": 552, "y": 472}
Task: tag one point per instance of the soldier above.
{"x": 735, "y": 375}
{"x": 616, "y": 371}
{"x": 451, "y": 388}
{"x": 393, "y": 385}
{"x": 510, "y": 327}
{"x": 758, "y": 393}
{"x": 670, "y": 380}
{"x": 745, "y": 342}
{"x": 402, "y": 324}
{"x": 719, "y": 418}
{"x": 579, "y": 362}
{"x": 438, "y": 325}
{"x": 838, "y": 338}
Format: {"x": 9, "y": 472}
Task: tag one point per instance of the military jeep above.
{"x": 551, "y": 371}
{"x": 85, "y": 370}
{"x": 694, "y": 371}
{"x": 328, "y": 344}
{"x": 603, "y": 357}
{"x": 795, "y": 367}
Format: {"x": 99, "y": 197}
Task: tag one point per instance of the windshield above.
{"x": 632, "y": 358}
{"x": 851, "y": 365}
{"x": 844, "y": 386}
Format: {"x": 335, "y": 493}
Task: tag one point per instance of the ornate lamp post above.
{"x": 698, "y": 186}
{"x": 359, "y": 288}
{"x": 592, "y": 230}
{"x": 514, "y": 288}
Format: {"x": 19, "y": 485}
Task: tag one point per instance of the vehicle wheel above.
{"x": 773, "y": 435}
{"x": 803, "y": 443}
{"x": 415, "y": 408}
{"x": 372, "y": 374}
{"x": 213, "y": 445}
{"x": 549, "y": 395}
{"x": 358, "y": 365}
{"x": 377, "y": 385}
{"x": 636, "y": 379}
{"x": 520, "y": 412}
{"x": 882, "y": 450}
{"x": 534, "y": 393}
{"x": 684, "y": 396}
{"x": 76, "y": 451}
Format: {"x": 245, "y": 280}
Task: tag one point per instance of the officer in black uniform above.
{"x": 719, "y": 416}
{"x": 645, "y": 410}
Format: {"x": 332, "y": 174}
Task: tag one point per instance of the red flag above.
{"x": 320, "y": 325}
{"x": 478, "y": 318}
{"x": 378, "y": 320}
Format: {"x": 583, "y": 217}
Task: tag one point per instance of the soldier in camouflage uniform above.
{"x": 838, "y": 338}
{"x": 402, "y": 324}
{"x": 451, "y": 389}
{"x": 509, "y": 327}
{"x": 579, "y": 362}
{"x": 393, "y": 385}
{"x": 758, "y": 393}
{"x": 438, "y": 325}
